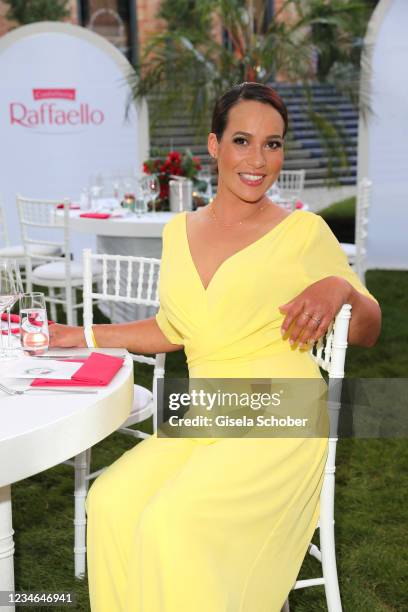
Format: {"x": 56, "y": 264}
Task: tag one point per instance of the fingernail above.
{"x": 291, "y": 342}
{"x": 283, "y": 331}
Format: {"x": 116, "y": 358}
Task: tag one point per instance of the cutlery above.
{"x": 10, "y": 391}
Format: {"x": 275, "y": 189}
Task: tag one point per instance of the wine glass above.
{"x": 152, "y": 188}
{"x": 7, "y": 294}
{"x": 19, "y": 290}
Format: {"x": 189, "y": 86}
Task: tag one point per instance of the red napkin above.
{"x": 95, "y": 215}
{"x": 13, "y": 330}
{"x": 14, "y": 318}
{"x": 98, "y": 371}
{"x": 72, "y": 206}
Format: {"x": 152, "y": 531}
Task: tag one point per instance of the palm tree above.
{"x": 187, "y": 63}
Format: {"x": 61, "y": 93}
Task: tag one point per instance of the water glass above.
{"x": 7, "y": 294}
{"x": 33, "y": 323}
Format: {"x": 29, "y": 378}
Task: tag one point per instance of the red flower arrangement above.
{"x": 175, "y": 164}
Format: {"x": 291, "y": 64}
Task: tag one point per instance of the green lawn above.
{"x": 371, "y": 493}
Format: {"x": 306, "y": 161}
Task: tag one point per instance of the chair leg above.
{"x": 285, "y": 607}
{"x": 53, "y": 306}
{"x": 82, "y": 468}
{"x": 328, "y": 550}
{"x": 74, "y": 310}
{"x": 68, "y": 302}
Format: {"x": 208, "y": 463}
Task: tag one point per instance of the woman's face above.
{"x": 250, "y": 152}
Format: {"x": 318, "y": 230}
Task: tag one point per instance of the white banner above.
{"x": 63, "y": 97}
{"x": 383, "y": 138}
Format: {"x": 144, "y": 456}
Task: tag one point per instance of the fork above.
{"x": 10, "y": 391}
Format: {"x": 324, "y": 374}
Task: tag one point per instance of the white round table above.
{"x": 129, "y": 235}
{"x": 149, "y": 225}
{"x": 40, "y": 430}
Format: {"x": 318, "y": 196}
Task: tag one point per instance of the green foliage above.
{"x": 184, "y": 65}
{"x": 30, "y": 11}
{"x": 188, "y": 16}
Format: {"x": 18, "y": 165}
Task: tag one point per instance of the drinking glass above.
{"x": 141, "y": 197}
{"x": 34, "y": 323}
{"x": 19, "y": 290}
{"x": 151, "y": 187}
{"x": 96, "y": 187}
{"x": 7, "y": 294}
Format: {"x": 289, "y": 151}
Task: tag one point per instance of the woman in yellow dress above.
{"x": 223, "y": 524}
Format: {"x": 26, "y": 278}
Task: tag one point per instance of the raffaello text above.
{"x": 49, "y": 114}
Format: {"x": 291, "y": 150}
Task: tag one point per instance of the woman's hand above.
{"x": 66, "y": 336}
{"x": 310, "y": 313}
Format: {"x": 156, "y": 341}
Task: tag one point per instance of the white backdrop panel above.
{"x": 63, "y": 95}
{"x": 383, "y": 141}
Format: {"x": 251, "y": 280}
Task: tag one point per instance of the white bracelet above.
{"x": 89, "y": 337}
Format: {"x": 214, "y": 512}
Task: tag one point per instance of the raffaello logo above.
{"x": 54, "y": 114}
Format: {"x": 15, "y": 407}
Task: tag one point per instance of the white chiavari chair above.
{"x": 330, "y": 355}
{"x": 16, "y": 251}
{"x": 356, "y": 251}
{"x": 43, "y": 223}
{"x": 134, "y": 281}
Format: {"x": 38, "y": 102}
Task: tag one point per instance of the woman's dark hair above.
{"x": 246, "y": 91}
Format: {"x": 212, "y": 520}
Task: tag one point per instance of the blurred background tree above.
{"x": 187, "y": 62}
{"x": 30, "y": 11}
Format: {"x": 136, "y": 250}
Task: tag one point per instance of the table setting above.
{"x": 26, "y": 363}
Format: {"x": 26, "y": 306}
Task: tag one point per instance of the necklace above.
{"x": 252, "y": 214}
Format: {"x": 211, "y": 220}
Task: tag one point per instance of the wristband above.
{"x": 89, "y": 337}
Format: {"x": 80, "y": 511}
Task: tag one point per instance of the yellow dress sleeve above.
{"x": 323, "y": 256}
{"x": 162, "y": 318}
{"x": 167, "y": 328}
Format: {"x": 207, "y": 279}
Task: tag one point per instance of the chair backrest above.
{"x": 362, "y": 208}
{"x": 40, "y": 215}
{"x": 4, "y": 237}
{"x": 290, "y": 183}
{"x": 128, "y": 280}
{"x": 330, "y": 354}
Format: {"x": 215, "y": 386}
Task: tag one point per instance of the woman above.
{"x": 222, "y": 525}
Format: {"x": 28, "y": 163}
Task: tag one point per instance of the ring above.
{"x": 316, "y": 319}
{"x": 307, "y": 314}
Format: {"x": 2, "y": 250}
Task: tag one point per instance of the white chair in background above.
{"x": 16, "y": 251}
{"x": 356, "y": 252}
{"x": 58, "y": 272}
{"x": 130, "y": 280}
{"x": 330, "y": 355}
{"x": 290, "y": 183}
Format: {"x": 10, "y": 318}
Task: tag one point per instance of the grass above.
{"x": 341, "y": 218}
{"x": 371, "y": 491}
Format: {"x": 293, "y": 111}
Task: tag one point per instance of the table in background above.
{"x": 41, "y": 430}
{"x": 128, "y": 235}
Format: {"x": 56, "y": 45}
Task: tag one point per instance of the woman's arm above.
{"x": 310, "y": 313}
{"x": 143, "y": 336}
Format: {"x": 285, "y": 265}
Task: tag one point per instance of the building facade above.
{"x": 126, "y": 23}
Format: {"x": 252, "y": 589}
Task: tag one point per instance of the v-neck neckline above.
{"x": 227, "y": 259}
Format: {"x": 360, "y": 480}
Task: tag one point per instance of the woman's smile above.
{"x": 253, "y": 180}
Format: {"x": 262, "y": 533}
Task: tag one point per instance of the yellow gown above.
{"x": 218, "y": 525}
